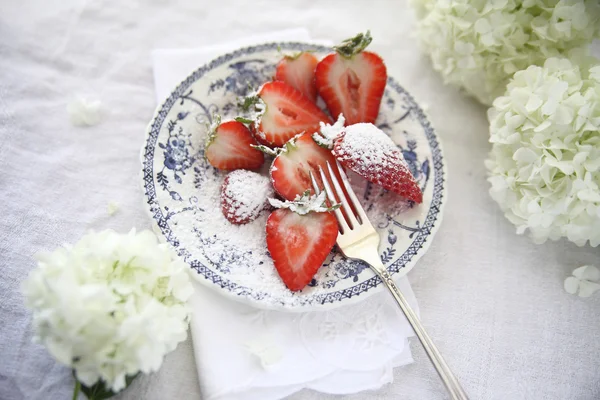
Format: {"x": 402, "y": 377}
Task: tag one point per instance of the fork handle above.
{"x": 434, "y": 355}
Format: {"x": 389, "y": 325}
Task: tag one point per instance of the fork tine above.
{"x": 338, "y": 214}
{"x": 316, "y": 187}
{"x": 348, "y": 211}
{"x": 349, "y": 219}
{"x": 353, "y": 199}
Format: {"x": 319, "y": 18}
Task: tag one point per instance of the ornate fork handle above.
{"x": 359, "y": 240}
{"x": 434, "y": 355}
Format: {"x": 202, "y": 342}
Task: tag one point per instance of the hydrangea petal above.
{"x": 587, "y": 288}
{"x": 571, "y": 285}
{"x": 587, "y": 272}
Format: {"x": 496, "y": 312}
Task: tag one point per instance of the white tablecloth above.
{"x": 492, "y": 300}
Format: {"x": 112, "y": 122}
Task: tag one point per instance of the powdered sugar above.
{"x": 328, "y": 133}
{"x": 382, "y": 205}
{"x": 303, "y": 204}
{"x": 235, "y": 250}
{"x": 370, "y": 145}
{"x": 212, "y": 127}
{"x": 253, "y": 108}
{"x": 239, "y": 252}
{"x": 244, "y": 195}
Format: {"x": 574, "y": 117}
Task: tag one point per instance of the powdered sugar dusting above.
{"x": 329, "y": 133}
{"x": 239, "y": 252}
{"x": 370, "y": 145}
{"x": 244, "y": 195}
{"x": 303, "y": 204}
{"x": 383, "y": 205}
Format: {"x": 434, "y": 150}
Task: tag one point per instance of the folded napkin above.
{"x": 246, "y": 353}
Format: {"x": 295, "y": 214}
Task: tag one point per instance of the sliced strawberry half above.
{"x": 299, "y": 244}
{"x": 290, "y": 171}
{"x": 229, "y": 146}
{"x": 287, "y": 113}
{"x": 368, "y": 151}
{"x": 352, "y": 81}
{"x": 298, "y": 71}
{"x": 244, "y": 196}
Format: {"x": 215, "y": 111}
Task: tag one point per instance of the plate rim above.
{"x": 330, "y": 300}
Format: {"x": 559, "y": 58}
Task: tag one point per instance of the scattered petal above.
{"x": 112, "y": 207}
{"x": 571, "y": 285}
{"x": 84, "y": 112}
{"x": 587, "y": 288}
{"x": 588, "y": 273}
{"x": 268, "y": 354}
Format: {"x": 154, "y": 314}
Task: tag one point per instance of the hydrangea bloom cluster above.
{"x": 479, "y": 44}
{"x": 545, "y": 160}
{"x": 110, "y": 306}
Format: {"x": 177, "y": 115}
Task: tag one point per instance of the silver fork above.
{"x": 357, "y": 239}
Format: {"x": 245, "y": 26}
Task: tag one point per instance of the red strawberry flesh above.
{"x": 290, "y": 171}
{"x": 299, "y": 71}
{"x": 352, "y": 81}
{"x": 229, "y": 148}
{"x": 299, "y": 244}
{"x": 288, "y": 113}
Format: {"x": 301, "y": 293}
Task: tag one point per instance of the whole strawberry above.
{"x": 369, "y": 152}
{"x": 244, "y": 196}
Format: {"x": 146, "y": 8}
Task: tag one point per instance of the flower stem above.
{"x": 76, "y": 390}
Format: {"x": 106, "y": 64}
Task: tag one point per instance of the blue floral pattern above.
{"x": 176, "y": 152}
{"x": 403, "y": 239}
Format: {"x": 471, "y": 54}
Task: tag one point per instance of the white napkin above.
{"x": 251, "y": 354}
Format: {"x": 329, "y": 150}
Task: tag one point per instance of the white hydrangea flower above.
{"x": 545, "y": 160}
{"x": 479, "y": 44}
{"x": 110, "y": 305}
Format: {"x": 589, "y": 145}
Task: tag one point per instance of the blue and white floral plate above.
{"x": 182, "y": 190}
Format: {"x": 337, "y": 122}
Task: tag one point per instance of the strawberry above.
{"x": 244, "y": 196}
{"x": 368, "y": 151}
{"x": 228, "y": 146}
{"x": 299, "y": 241}
{"x": 298, "y": 70}
{"x": 352, "y": 81}
{"x": 283, "y": 112}
{"x": 292, "y": 165}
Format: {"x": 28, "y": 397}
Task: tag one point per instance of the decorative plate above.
{"x": 182, "y": 190}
